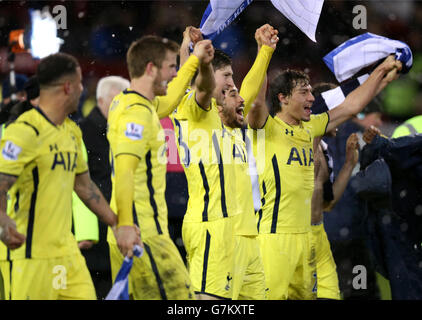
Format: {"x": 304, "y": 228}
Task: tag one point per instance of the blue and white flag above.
{"x": 303, "y": 13}
{"x": 221, "y": 13}
{"x": 361, "y": 51}
{"x": 120, "y": 289}
{"x": 332, "y": 98}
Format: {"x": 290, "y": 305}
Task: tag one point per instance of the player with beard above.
{"x": 41, "y": 164}
{"x": 287, "y": 181}
{"x": 219, "y": 230}
{"x": 138, "y": 160}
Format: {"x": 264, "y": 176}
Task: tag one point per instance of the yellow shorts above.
{"x": 210, "y": 256}
{"x": 249, "y": 279}
{"x": 5, "y": 272}
{"x": 289, "y": 264}
{"x": 61, "y": 278}
{"x": 328, "y": 287}
{"x": 160, "y": 273}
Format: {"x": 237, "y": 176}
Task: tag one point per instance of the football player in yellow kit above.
{"x": 41, "y": 164}
{"x": 219, "y": 232}
{"x": 138, "y": 158}
{"x": 287, "y": 182}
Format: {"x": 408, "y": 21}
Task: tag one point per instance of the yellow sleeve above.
{"x": 18, "y": 147}
{"x": 318, "y": 124}
{"x": 189, "y": 109}
{"x": 125, "y": 166}
{"x": 134, "y": 131}
{"x": 176, "y": 88}
{"x": 253, "y": 81}
{"x": 132, "y": 142}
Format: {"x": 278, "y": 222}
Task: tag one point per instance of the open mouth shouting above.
{"x": 307, "y": 110}
{"x": 239, "y": 111}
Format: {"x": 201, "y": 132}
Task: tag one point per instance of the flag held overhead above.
{"x": 221, "y": 13}
{"x": 359, "y": 52}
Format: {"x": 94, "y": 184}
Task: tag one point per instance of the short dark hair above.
{"x": 148, "y": 49}
{"x": 321, "y": 87}
{"x": 284, "y": 83}
{"x": 221, "y": 60}
{"x": 54, "y": 67}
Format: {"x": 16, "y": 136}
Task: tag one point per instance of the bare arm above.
{"x": 321, "y": 174}
{"x": 89, "y": 193}
{"x": 190, "y": 35}
{"x": 340, "y": 184}
{"x": 205, "y": 81}
{"x": 8, "y": 233}
{"x": 361, "y": 96}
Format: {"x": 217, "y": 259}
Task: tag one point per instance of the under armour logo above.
{"x": 289, "y": 131}
{"x": 54, "y": 147}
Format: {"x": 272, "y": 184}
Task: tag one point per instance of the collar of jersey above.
{"x": 300, "y": 125}
{"x": 127, "y": 91}
{"x": 45, "y": 116}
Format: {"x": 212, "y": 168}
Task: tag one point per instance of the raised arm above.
{"x": 8, "y": 233}
{"x": 202, "y": 52}
{"x": 340, "y": 184}
{"x": 361, "y": 96}
{"x": 266, "y": 38}
{"x": 205, "y": 81}
{"x": 190, "y": 35}
{"x": 259, "y": 110}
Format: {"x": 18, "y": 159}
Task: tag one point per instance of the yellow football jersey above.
{"x": 287, "y": 174}
{"x": 134, "y": 128}
{"x": 4, "y": 251}
{"x": 246, "y": 224}
{"x": 45, "y": 159}
{"x": 205, "y": 150}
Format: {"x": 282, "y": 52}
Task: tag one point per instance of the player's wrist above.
{"x": 193, "y": 59}
{"x": 125, "y": 224}
{"x": 267, "y": 48}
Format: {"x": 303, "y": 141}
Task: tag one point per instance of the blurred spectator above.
{"x": 8, "y": 91}
{"x": 32, "y": 90}
{"x": 345, "y": 223}
{"x": 94, "y": 131}
{"x": 390, "y": 186}
{"x": 411, "y": 126}
{"x": 403, "y": 98}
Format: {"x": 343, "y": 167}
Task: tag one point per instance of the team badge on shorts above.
{"x": 11, "y": 151}
{"x": 134, "y": 131}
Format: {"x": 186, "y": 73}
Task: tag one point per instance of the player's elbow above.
{"x": 205, "y": 87}
{"x": 329, "y": 205}
{"x": 255, "y": 119}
